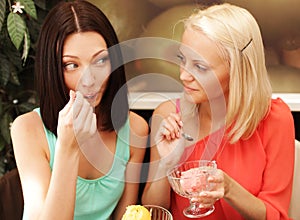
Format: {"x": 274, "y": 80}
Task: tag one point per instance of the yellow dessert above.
{"x": 136, "y": 212}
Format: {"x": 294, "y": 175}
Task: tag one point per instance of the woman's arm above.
{"x": 248, "y": 205}
{"x": 138, "y": 141}
{"x": 279, "y": 142}
{"x": 48, "y": 194}
{"x": 165, "y": 153}
{"x": 157, "y": 189}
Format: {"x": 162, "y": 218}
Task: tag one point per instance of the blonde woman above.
{"x": 249, "y": 134}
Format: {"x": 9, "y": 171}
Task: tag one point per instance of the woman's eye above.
{"x": 180, "y": 57}
{"x": 201, "y": 68}
{"x": 70, "y": 66}
{"x": 101, "y": 60}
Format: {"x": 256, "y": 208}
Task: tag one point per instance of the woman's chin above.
{"x": 189, "y": 97}
{"x": 94, "y": 101}
{"x": 196, "y": 99}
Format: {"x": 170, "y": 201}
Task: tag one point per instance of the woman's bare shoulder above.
{"x": 138, "y": 124}
{"x": 28, "y": 137}
{"x": 165, "y": 108}
{"x": 27, "y": 127}
{"x": 25, "y": 121}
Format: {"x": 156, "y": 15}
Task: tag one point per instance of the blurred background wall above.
{"x": 279, "y": 21}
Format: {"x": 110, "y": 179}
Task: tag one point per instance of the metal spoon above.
{"x": 187, "y": 136}
{"x": 184, "y": 135}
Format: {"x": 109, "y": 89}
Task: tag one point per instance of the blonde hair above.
{"x": 238, "y": 34}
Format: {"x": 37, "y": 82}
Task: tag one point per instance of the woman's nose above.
{"x": 185, "y": 74}
{"x": 88, "y": 77}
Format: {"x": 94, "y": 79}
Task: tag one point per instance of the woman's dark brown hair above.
{"x": 64, "y": 19}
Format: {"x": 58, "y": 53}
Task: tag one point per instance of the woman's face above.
{"x": 204, "y": 74}
{"x": 86, "y": 65}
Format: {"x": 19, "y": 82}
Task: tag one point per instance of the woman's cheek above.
{"x": 71, "y": 81}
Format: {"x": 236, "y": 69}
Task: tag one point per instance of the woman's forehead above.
{"x": 197, "y": 46}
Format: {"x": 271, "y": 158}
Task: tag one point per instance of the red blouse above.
{"x": 262, "y": 164}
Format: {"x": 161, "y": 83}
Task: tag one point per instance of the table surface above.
{"x": 150, "y": 100}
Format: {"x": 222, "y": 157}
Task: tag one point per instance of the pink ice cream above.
{"x": 194, "y": 180}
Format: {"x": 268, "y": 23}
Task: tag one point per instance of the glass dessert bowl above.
{"x": 189, "y": 179}
{"x": 158, "y": 212}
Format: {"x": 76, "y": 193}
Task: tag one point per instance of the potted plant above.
{"x": 20, "y": 22}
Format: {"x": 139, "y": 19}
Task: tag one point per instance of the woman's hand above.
{"x": 84, "y": 119}
{"x": 169, "y": 142}
{"x": 76, "y": 121}
{"x": 208, "y": 198}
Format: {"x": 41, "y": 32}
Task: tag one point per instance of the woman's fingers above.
{"x": 82, "y": 116}
{"x": 65, "y": 129}
{"x": 170, "y": 144}
{"x": 212, "y": 195}
{"x": 208, "y": 198}
{"x": 70, "y": 103}
{"x": 78, "y": 103}
{"x": 205, "y": 202}
{"x": 171, "y": 127}
{"x": 84, "y": 119}
{"x": 76, "y": 120}
{"x": 93, "y": 124}
{"x": 90, "y": 126}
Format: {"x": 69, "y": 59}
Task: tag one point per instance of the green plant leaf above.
{"x": 5, "y": 127}
{"x": 2, "y": 12}
{"x": 14, "y": 78}
{"x": 26, "y": 107}
{"x": 2, "y": 145}
{"x": 26, "y": 46}
{"x": 29, "y": 7}
{"x": 4, "y": 71}
{"x": 1, "y": 105}
{"x": 13, "y": 56}
{"x": 16, "y": 28}
{"x": 41, "y": 3}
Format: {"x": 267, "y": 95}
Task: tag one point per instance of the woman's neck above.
{"x": 212, "y": 115}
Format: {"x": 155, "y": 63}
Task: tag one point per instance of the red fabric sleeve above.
{"x": 278, "y": 136}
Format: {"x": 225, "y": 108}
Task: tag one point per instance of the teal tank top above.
{"x": 96, "y": 199}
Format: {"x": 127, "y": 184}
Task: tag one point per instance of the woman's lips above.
{"x": 189, "y": 89}
{"x": 90, "y": 96}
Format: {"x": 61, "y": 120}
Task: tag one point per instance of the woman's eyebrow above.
{"x": 93, "y": 56}
{"x": 199, "y": 60}
{"x": 99, "y": 52}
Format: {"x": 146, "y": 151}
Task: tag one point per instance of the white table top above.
{"x": 150, "y": 100}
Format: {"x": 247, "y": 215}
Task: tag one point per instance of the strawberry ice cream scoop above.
{"x": 194, "y": 179}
